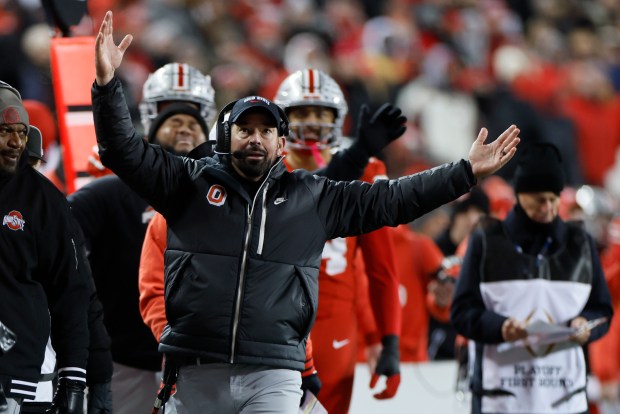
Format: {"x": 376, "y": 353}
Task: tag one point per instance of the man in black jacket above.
{"x": 245, "y": 239}
{"x": 99, "y": 366}
{"x": 177, "y": 106}
{"x": 531, "y": 273}
{"x": 42, "y": 290}
{"x": 114, "y": 220}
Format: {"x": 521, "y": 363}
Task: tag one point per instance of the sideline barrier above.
{"x": 73, "y": 72}
{"x": 427, "y": 387}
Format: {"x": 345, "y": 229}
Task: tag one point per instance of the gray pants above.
{"x": 237, "y": 388}
{"x": 134, "y": 390}
{"x": 14, "y": 406}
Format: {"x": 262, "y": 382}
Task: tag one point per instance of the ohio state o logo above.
{"x": 11, "y": 116}
{"x": 216, "y": 195}
{"x": 14, "y": 221}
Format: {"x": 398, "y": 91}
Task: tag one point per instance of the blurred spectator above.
{"x": 466, "y": 212}
{"x": 41, "y": 115}
{"x": 593, "y": 105}
{"x": 465, "y": 215}
{"x": 446, "y": 114}
{"x": 429, "y": 55}
{"x": 605, "y": 354}
{"x": 501, "y": 196}
{"x": 499, "y": 106}
{"x": 416, "y": 271}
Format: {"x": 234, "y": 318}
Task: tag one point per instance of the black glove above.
{"x": 311, "y": 383}
{"x": 377, "y": 132}
{"x": 69, "y": 397}
{"x": 388, "y": 365}
{"x": 100, "y": 398}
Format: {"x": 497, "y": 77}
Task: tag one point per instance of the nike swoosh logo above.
{"x": 339, "y": 344}
{"x": 279, "y": 201}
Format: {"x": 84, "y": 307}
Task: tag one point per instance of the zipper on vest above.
{"x": 263, "y": 220}
{"x": 244, "y": 258}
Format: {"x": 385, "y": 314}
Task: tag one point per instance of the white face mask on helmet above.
{"x": 312, "y": 87}
{"x": 177, "y": 82}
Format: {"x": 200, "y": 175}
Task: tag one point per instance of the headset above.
{"x": 223, "y": 127}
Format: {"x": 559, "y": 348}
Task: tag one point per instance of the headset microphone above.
{"x": 236, "y": 154}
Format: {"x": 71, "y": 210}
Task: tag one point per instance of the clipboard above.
{"x": 311, "y": 404}
{"x": 543, "y": 333}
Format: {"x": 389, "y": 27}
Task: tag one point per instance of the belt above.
{"x": 184, "y": 361}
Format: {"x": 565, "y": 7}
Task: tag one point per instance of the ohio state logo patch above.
{"x": 11, "y": 116}
{"x": 14, "y": 221}
{"x": 216, "y": 195}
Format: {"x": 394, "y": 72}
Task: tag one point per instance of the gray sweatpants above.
{"x": 237, "y": 388}
{"x": 14, "y": 406}
{"x": 134, "y": 390}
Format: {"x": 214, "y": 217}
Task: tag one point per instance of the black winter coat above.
{"x": 41, "y": 289}
{"x": 241, "y": 272}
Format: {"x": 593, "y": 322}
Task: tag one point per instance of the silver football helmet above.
{"x": 5, "y": 85}
{"x": 177, "y": 82}
{"x": 313, "y": 87}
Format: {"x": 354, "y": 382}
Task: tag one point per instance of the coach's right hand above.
{"x": 108, "y": 56}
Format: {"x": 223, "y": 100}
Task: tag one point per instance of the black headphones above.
{"x": 223, "y": 127}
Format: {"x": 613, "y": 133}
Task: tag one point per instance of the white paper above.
{"x": 539, "y": 333}
{"x": 544, "y": 333}
{"x": 311, "y": 404}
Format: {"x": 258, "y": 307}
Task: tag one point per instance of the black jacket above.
{"x": 40, "y": 281}
{"x": 113, "y": 219}
{"x": 242, "y": 273}
{"x": 99, "y": 368}
{"x": 520, "y": 250}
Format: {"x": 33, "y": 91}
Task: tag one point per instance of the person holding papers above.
{"x": 529, "y": 271}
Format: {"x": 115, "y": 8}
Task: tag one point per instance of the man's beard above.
{"x": 253, "y": 168}
{"x": 9, "y": 171}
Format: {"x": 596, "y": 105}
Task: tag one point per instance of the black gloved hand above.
{"x": 388, "y": 365}
{"x": 69, "y": 397}
{"x": 311, "y": 383}
{"x": 377, "y": 132}
{"x": 100, "y": 398}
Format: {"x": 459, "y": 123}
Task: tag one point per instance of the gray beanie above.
{"x": 12, "y": 110}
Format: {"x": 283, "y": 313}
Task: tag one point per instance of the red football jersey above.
{"x": 338, "y": 277}
{"x": 335, "y": 333}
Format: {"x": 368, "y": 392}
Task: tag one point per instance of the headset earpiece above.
{"x": 283, "y": 126}
{"x": 222, "y": 127}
